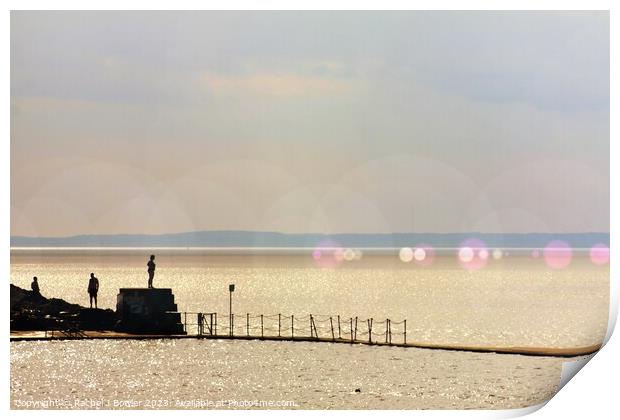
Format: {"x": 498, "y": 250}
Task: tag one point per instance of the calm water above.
{"x": 514, "y": 301}
{"x": 310, "y": 375}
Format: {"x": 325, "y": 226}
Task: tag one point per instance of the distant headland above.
{"x": 250, "y": 239}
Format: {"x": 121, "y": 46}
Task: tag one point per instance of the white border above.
{"x": 594, "y": 393}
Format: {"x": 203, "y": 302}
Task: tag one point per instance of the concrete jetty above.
{"x": 151, "y": 314}
{"x": 113, "y": 335}
{"x": 148, "y": 311}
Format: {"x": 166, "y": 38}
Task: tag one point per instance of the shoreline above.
{"x": 37, "y": 335}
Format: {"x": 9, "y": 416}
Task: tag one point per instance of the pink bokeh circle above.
{"x": 558, "y": 254}
{"x": 599, "y": 254}
{"x": 423, "y": 255}
{"x": 328, "y": 254}
{"x": 473, "y": 254}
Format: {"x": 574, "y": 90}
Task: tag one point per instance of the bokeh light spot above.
{"x": 423, "y": 255}
{"x": 473, "y": 254}
{"x": 599, "y": 254}
{"x": 558, "y": 254}
{"x": 405, "y": 254}
{"x": 419, "y": 254}
{"x": 328, "y": 254}
{"x": 466, "y": 254}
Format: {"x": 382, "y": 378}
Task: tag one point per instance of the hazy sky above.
{"x": 154, "y": 122}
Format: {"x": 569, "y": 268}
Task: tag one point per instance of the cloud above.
{"x": 275, "y": 84}
{"x": 316, "y": 94}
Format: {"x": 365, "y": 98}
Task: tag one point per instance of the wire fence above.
{"x": 318, "y": 327}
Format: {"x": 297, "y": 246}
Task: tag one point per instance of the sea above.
{"x": 514, "y": 298}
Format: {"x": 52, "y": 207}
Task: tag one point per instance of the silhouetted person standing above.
{"x": 151, "y": 270}
{"x": 35, "y": 286}
{"x": 93, "y": 288}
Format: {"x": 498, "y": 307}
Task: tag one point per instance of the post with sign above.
{"x": 231, "y": 289}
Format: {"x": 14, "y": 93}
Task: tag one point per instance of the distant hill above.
{"x": 288, "y": 240}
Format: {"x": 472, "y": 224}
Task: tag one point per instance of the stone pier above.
{"x": 148, "y": 311}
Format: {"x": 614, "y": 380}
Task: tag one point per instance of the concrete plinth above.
{"x": 148, "y": 311}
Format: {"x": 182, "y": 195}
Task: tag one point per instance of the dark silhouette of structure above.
{"x": 148, "y": 311}
{"x": 151, "y": 270}
{"x": 35, "y": 286}
{"x": 93, "y": 288}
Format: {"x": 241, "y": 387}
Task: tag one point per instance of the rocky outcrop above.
{"x": 32, "y": 311}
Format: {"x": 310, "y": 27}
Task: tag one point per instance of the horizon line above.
{"x": 311, "y": 233}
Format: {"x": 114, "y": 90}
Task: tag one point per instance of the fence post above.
{"x": 369, "y": 330}
{"x": 311, "y": 322}
{"x": 232, "y": 325}
{"x": 390, "y": 323}
{"x": 215, "y": 326}
{"x": 386, "y": 330}
{"x": 199, "y": 322}
{"x": 185, "y": 321}
{"x": 247, "y": 324}
{"x": 339, "y": 335}
{"x": 405, "y": 333}
{"x": 279, "y": 323}
{"x": 351, "y": 322}
{"x": 355, "y": 335}
{"x": 261, "y": 326}
{"x": 316, "y": 333}
{"x": 331, "y": 322}
{"x": 292, "y": 326}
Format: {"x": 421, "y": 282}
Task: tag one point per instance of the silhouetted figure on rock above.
{"x": 93, "y": 288}
{"x": 151, "y": 270}
{"x": 35, "y": 286}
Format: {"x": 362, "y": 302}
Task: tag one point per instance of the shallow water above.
{"x": 187, "y": 373}
{"x": 515, "y": 301}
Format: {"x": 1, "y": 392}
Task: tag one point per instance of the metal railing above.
{"x": 317, "y": 327}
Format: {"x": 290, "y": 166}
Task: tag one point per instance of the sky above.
{"x": 322, "y": 122}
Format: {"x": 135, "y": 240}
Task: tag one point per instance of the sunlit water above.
{"x": 310, "y": 375}
{"x": 514, "y": 301}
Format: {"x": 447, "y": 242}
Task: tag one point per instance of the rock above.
{"x": 32, "y": 311}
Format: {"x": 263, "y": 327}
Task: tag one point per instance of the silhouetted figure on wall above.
{"x": 35, "y": 286}
{"x": 93, "y": 288}
{"x": 151, "y": 270}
